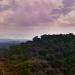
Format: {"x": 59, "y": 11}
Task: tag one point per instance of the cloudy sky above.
{"x": 28, "y": 18}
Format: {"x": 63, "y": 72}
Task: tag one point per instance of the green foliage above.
{"x": 47, "y": 55}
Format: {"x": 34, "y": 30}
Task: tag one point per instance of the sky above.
{"x": 24, "y": 19}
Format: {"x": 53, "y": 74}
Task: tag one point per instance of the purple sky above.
{"x": 28, "y": 18}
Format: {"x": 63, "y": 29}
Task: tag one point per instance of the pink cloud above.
{"x": 35, "y": 17}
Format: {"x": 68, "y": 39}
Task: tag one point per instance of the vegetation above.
{"x": 47, "y": 55}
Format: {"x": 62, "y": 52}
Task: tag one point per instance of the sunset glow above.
{"x": 28, "y": 18}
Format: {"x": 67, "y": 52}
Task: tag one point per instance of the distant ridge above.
{"x": 8, "y": 42}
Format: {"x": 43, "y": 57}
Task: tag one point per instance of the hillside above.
{"x": 47, "y": 55}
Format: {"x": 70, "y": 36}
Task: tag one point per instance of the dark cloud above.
{"x": 69, "y": 5}
{"x": 10, "y": 6}
{"x": 36, "y": 13}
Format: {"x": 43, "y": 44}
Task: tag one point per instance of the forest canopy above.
{"x": 44, "y": 55}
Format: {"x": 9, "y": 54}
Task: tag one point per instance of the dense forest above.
{"x": 44, "y": 55}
